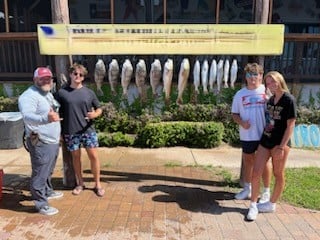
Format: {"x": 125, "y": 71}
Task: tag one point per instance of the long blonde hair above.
{"x": 278, "y": 77}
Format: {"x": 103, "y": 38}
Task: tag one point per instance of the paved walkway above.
{"x": 150, "y": 194}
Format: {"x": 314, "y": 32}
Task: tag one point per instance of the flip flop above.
{"x": 77, "y": 190}
{"x": 99, "y": 191}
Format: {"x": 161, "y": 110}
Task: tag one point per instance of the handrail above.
{"x": 302, "y": 37}
{"x": 19, "y": 36}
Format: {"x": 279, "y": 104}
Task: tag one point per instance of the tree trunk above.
{"x": 260, "y": 17}
{"x": 60, "y": 14}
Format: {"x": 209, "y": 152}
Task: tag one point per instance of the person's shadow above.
{"x": 13, "y": 199}
{"x": 16, "y": 193}
{"x": 192, "y": 199}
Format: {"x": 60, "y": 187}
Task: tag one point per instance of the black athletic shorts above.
{"x": 249, "y": 147}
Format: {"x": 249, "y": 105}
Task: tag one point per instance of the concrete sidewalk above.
{"x": 145, "y": 199}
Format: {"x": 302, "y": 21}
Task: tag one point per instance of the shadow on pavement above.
{"x": 192, "y": 199}
{"x": 16, "y": 200}
{"x": 138, "y": 177}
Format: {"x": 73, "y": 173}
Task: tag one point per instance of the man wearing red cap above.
{"x": 42, "y": 126}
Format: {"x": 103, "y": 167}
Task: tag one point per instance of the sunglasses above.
{"x": 251, "y": 74}
{"x": 76, "y": 74}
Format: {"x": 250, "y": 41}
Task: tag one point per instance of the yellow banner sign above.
{"x": 100, "y": 39}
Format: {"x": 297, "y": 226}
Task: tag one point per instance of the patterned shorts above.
{"x": 87, "y": 140}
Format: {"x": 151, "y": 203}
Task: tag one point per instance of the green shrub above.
{"x": 115, "y": 139}
{"x": 119, "y": 116}
{"x": 308, "y": 115}
{"x": 9, "y": 104}
{"x": 113, "y": 120}
{"x": 193, "y": 113}
{"x": 190, "y": 134}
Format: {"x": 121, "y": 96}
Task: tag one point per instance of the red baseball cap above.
{"x": 41, "y": 72}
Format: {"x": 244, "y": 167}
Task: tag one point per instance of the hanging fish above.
{"x": 219, "y": 74}
{"x": 196, "y": 76}
{"x": 140, "y": 77}
{"x": 183, "y": 78}
{"x": 204, "y": 76}
{"x": 126, "y": 75}
{"x": 167, "y": 79}
{"x": 113, "y": 74}
{"x": 155, "y": 76}
{"x": 61, "y": 82}
{"x": 213, "y": 74}
{"x": 99, "y": 74}
{"x": 226, "y": 73}
{"x": 233, "y": 72}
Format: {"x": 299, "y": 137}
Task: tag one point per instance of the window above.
{"x": 2, "y": 17}
{"x": 236, "y": 11}
{"x": 298, "y": 16}
{"x": 191, "y": 11}
{"x": 25, "y": 15}
{"x": 97, "y": 11}
{"x": 138, "y": 11}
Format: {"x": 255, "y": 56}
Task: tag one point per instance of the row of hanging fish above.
{"x": 210, "y": 77}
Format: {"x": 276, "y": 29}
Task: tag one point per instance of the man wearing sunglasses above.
{"x": 42, "y": 129}
{"x": 79, "y": 106}
{"x": 248, "y": 110}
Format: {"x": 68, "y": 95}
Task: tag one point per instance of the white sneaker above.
{"x": 47, "y": 210}
{"x": 244, "y": 194}
{"x": 253, "y": 212}
{"x": 267, "y": 207}
{"x": 55, "y": 195}
{"x": 265, "y": 197}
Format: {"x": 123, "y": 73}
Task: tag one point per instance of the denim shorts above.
{"x": 75, "y": 141}
{"x": 249, "y": 147}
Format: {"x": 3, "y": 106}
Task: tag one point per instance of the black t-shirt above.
{"x": 75, "y": 104}
{"x": 276, "y": 119}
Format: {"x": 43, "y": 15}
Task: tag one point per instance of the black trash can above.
{"x": 11, "y": 130}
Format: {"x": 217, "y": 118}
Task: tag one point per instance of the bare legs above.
{"x": 262, "y": 156}
{"x": 76, "y": 158}
{"x": 278, "y": 162}
{"x": 249, "y": 161}
{"x": 94, "y": 163}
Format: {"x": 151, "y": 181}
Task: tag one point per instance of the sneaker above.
{"x": 253, "y": 212}
{"x": 265, "y": 197}
{"x": 55, "y": 195}
{"x": 266, "y": 207}
{"x": 47, "y": 210}
{"x": 99, "y": 191}
{"x": 78, "y": 189}
{"x": 244, "y": 194}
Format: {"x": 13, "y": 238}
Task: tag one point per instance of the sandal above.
{"x": 99, "y": 191}
{"x": 78, "y": 189}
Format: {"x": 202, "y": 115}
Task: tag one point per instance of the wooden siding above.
{"x": 300, "y": 61}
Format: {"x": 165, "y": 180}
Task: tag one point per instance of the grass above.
{"x": 302, "y": 187}
{"x": 172, "y": 164}
{"x": 228, "y": 179}
{"x": 302, "y": 184}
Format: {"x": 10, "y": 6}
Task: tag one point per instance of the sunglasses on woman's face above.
{"x": 76, "y": 74}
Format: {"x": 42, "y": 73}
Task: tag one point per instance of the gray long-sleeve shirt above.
{"x": 34, "y": 105}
